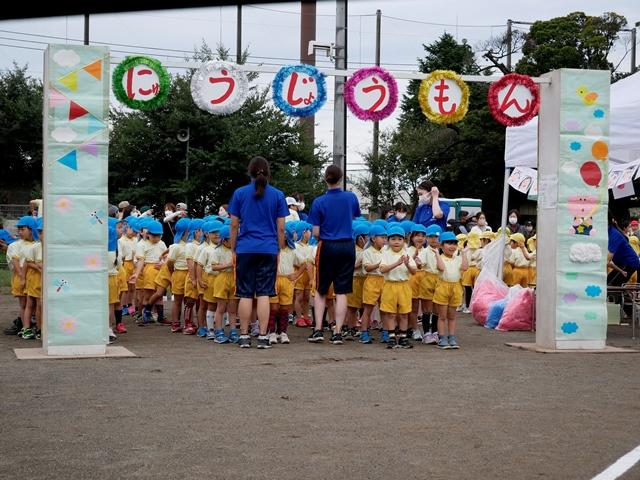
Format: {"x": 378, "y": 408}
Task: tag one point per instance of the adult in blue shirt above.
{"x": 332, "y": 215}
{"x": 257, "y": 233}
{"x": 622, "y": 258}
{"x": 431, "y": 211}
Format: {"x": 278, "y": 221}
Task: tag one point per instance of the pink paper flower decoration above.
{"x": 375, "y": 74}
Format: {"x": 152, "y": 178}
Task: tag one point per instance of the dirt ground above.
{"x": 186, "y": 408}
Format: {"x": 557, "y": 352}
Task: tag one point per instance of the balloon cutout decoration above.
{"x": 591, "y": 174}
{"x": 444, "y": 97}
{"x": 219, "y": 88}
{"x": 371, "y": 93}
{"x": 299, "y": 90}
{"x": 141, "y": 83}
{"x": 514, "y": 99}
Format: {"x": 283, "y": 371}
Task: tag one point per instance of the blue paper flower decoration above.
{"x": 312, "y": 103}
{"x": 569, "y": 327}
{"x": 593, "y": 291}
{"x": 598, "y": 113}
{"x": 575, "y": 146}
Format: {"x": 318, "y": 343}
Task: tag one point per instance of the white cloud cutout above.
{"x": 585, "y": 253}
{"x": 66, "y": 58}
{"x": 64, "y": 134}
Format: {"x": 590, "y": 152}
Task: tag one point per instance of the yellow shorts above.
{"x": 507, "y": 273}
{"x": 416, "y": 281}
{"x": 123, "y": 286}
{"x": 16, "y": 291}
{"x": 140, "y": 281}
{"x": 429, "y": 283}
{"x": 224, "y": 286}
{"x": 520, "y": 276}
{"x": 208, "y": 294}
{"x": 396, "y": 297}
{"x": 114, "y": 289}
{"x": 303, "y": 282}
{"x": 533, "y": 276}
{"x": 469, "y": 276}
{"x": 150, "y": 274}
{"x": 354, "y": 299}
{"x": 284, "y": 291}
{"x": 34, "y": 283}
{"x": 448, "y": 293}
{"x": 372, "y": 289}
{"x": 189, "y": 290}
{"x": 128, "y": 267}
{"x": 178, "y": 278}
{"x": 163, "y": 278}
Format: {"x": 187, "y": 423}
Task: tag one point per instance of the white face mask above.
{"x": 167, "y": 213}
{"x": 424, "y": 199}
{"x": 513, "y": 220}
{"x": 301, "y": 206}
{"x": 222, "y": 212}
{"x": 401, "y": 216}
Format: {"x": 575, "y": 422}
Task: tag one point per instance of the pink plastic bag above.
{"x": 519, "y": 312}
{"x": 485, "y": 293}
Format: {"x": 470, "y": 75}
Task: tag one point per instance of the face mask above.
{"x": 167, "y": 213}
{"x": 482, "y": 222}
{"x": 513, "y": 220}
{"x": 301, "y": 206}
{"x": 401, "y": 216}
{"x": 528, "y": 229}
{"x": 222, "y": 212}
{"x": 425, "y": 199}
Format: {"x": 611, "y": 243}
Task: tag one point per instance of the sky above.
{"x": 271, "y": 33}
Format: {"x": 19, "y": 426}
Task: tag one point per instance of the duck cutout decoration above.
{"x": 589, "y": 98}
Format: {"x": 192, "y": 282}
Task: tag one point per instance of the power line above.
{"x": 441, "y": 24}
{"x": 309, "y": 14}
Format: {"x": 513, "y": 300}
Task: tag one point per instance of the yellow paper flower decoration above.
{"x": 448, "y": 112}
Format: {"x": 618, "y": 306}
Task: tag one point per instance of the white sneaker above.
{"x": 284, "y": 338}
{"x": 112, "y": 336}
{"x": 417, "y": 335}
{"x": 466, "y": 310}
{"x": 430, "y": 338}
{"x": 459, "y": 309}
{"x": 273, "y": 338}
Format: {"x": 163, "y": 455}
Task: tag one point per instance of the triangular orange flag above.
{"x": 94, "y": 69}
{"x": 70, "y": 81}
{"x": 76, "y": 111}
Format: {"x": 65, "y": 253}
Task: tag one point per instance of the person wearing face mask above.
{"x": 481, "y": 224}
{"x": 301, "y": 206}
{"x": 512, "y": 224}
{"x": 222, "y": 211}
{"x": 529, "y": 231}
{"x": 293, "y": 210}
{"x": 400, "y": 214}
{"x": 430, "y": 211}
{"x": 172, "y": 213}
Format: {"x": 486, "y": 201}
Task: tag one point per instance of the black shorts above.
{"x": 256, "y": 275}
{"x": 336, "y": 261}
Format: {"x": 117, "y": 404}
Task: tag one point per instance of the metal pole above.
{"x": 376, "y": 124}
{"x": 239, "y": 36}
{"x": 339, "y": 110}
{"x": 503, "y": 223}
{"x": 86, "y": 29}
{"x": 509, "y": 43}
{"x": 633, "y": 50}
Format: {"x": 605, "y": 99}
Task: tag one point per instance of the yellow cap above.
{"x": 531, "y": 243}
{"x": 473, "y": 240}
{"x": 461, "y": 237}
{"x": 487, "y": 235}
{"x": 518, "y": 238}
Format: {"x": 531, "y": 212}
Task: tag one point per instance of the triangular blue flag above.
{"x": 95, "y": 125}
{"x": 70, "y": 160}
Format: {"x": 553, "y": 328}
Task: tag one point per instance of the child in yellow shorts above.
{"x": 206, "y": 278}
{"x": 224, "y": 290}
{"x": 31, "y": 277}
{"x": 114, "y": 262}
{"x": 374, "y": 281}
{"x": 191, "y": 283}
{"x": 304, "y": 255}
{"x": 354, "y": 299}
{"x": 519, "y": 261}
{"x": 417, "y": 242}
{"x": 431, "y": 276}
{"x": 127, "y": 249}
{"x": 448, "y": 293}
{"x": 474, "y": 256}
{"x": 15, "y": 260}
{"x": 395, "y": 304}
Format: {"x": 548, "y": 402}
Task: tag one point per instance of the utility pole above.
{"x": 339, "y": 110}
{"x": 86, "y": 29}
{"x": 509, "y": 42}
{"x": 239, "y": 35}
{"x": 633, "y": 48}
{"x": 376, "y": 124}
{"x": 307, "y": 34}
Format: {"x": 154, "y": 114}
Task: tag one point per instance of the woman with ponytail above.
{"x": 257, "y": 214}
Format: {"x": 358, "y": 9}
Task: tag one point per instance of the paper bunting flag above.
{"x": 94, "y": 69}
{"x": 56, "y": 98}
{"x": 624, "y": 190}
{"x": 91, "y": 147}
{"x": 70, "y": 81}
{"x": 95, "y": 125}
{"x": 70, "y": 160}
{"x": 76, "y": 111}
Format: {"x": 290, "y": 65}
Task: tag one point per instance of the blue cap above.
{"x": 433, "y": 230}
{"x": 39, "y": 224}
{"x": 396, "y": 231}
{"x": 448, "y": 237}
{"x": 382, "y": 223}
{"x": 302, "y": 226}
{"x": 24, "y": 221}
{"x": 212, "y": 226}
{"x": 154, "y": 227}
{"x": 144, "y": 222}
{"x": 361, "y": 228}
{"x": 418, "y": 228}
{"x": 112, "y": 245}
{"x": 182, "y": 226}
{"x": 406, "y": 225}
{"x": 31, "y": 223}
{"x": 112, "y": 221}
{"x": 225, "y": 232}
{"x": 227, "y": 221}
{"x": 134, "y": 223}
{"x": 291, "y": 226}
{"x": 377, "y": 231}
{"x": 196, "y": 224}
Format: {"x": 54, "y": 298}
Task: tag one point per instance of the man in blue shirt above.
{"x": 430, "y": 211}
{"x": 332, "y": 215}
{"x": 257, "y": 214}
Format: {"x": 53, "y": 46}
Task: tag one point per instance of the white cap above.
{"x": 291, "y": 201}
{"x": 182, "y": 206}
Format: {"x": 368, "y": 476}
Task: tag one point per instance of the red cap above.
{"x": 634, "y": 223}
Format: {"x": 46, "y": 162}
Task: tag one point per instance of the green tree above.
{"x": 147, "y": 162}
{"x": 20, "y": 132}
{"x": 576, "y": 40}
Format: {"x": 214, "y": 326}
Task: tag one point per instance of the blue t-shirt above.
{"x": 623, "y": 254}
{"x": 334, "y": 212}
{"x": 424, "y": 215}
{"x": 258, "y": 218}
